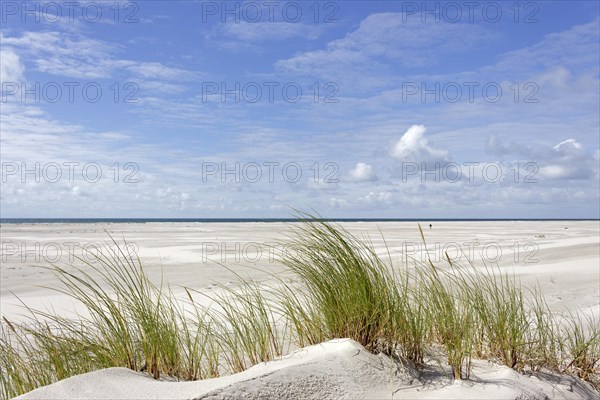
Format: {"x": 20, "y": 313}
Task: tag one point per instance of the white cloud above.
{"x": 414, "y": 147}
{"x": 569, "y": 161}
{"x": 160, "y": 86}
{"x": 566, "y": 160}
{"x": 559, "y": 77}
{"x": 78, "y": 56}
{"x": 381, "y": 198}
{"x": 555, "y": 172}
{"x": 11, "y": 69}
{"x": 577, "y": 46}
{"x": 320, "y": 184}
{"x": 154, "y": 70}
{"x": 335, "y": 202}
{"x": 362, "y": 172}
{"x": 386, "y": 38}
{"x": 65, "y": 54}
{"x": 568, "y": 146}
{"x": 253, "y": 37}
{"x": 269, "y": 31}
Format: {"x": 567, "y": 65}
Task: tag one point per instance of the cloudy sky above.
{"x": 249, "y": 109}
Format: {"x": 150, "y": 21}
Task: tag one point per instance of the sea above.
{"x": 255, "y": 220}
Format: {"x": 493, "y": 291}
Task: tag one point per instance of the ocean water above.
{"x": 241, "y": 220}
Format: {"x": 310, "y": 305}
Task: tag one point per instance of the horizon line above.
{"x": 9, "y": 220}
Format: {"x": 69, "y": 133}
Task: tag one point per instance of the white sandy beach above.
{"x": 562, "y": 257}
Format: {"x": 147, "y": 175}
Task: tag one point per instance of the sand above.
{"x": 562, "y": 257}
{"x": 338, "y": 369}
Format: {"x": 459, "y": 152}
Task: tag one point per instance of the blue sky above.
{"x": 352, "y": 108}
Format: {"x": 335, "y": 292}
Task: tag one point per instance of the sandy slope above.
{"x": 338, "y": 369}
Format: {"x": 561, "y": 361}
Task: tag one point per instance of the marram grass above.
{"x": 340, "y": 287}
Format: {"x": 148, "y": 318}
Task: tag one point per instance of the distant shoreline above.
{"x": 266, "y": 220}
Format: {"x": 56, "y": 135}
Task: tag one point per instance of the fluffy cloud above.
{"x": 362, "y": 173}
{"x": 414, "y": 147}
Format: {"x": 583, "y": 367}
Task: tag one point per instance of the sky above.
{"x": 251, "y": 109}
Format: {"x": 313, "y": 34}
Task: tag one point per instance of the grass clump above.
{"x": 451, "y": 318}
{"x": 350, "y": 288}
{"x": 128, "y": 321}
{"x": 246, "y": 326}
{"x": 346, "y": 290}
{"x": 497, "y": 302}
{"x": 582, "y": 346}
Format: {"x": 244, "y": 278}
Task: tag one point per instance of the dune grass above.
{"x": 451, "y": 319}
{"x": 340, "y": 287}
{"x": 582, "y": 346}
{"x": 129, "y": 322}
{"x": 348, "y": 289}
{"x": 246, "y": 326}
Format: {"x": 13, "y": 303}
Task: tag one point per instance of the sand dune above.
{"x": 337, "y": 369}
